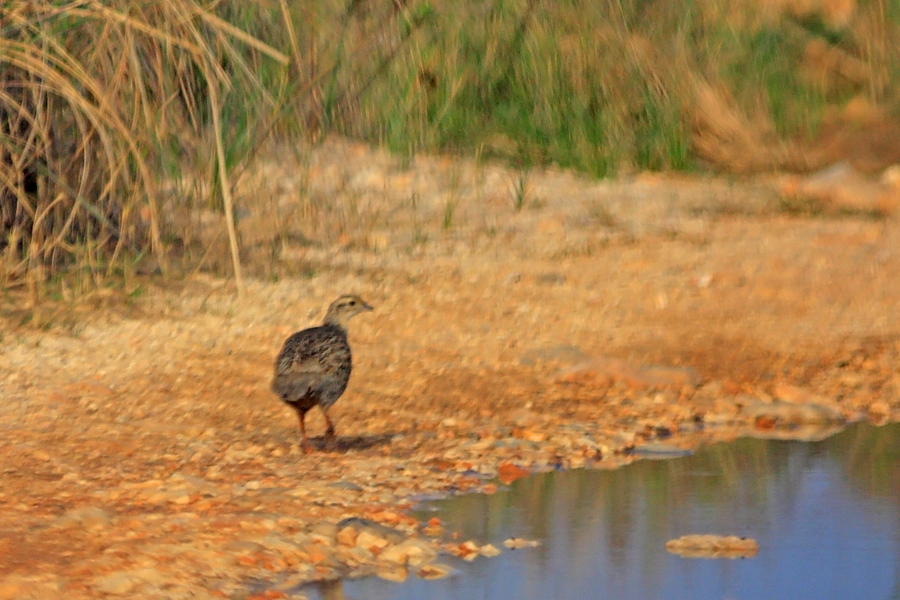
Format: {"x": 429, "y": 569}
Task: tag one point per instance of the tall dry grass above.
{"x": 98, "y": 101}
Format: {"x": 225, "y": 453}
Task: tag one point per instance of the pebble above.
{"x": 434, "y": 571}
{"x": 393, "y": 573}
{"x": 517, "y": 543}
{"x": 412, "y": 551}
{"x": 117, "y": 584}
{"x": 87, "y": 517}
{"x": 713, "y": 546}
{"x": 370, "y": 541}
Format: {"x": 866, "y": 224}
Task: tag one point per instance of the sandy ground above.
{"x": 524, "y": 321}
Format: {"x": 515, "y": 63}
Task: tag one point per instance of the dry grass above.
{"x": 97, "y": 100}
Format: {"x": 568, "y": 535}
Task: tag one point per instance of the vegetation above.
{"x": 105, "y": 107}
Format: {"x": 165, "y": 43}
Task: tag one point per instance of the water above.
{"x": 826, "y": 516}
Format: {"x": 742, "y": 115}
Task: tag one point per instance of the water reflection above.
{"x": 826, "y": 515}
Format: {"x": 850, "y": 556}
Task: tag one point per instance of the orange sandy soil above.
{"x": 144, "y": 455}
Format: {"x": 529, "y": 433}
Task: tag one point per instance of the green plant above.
{"x": 520, "y": 189}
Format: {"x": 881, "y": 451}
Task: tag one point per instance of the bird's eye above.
{"x": 353, "y": 303}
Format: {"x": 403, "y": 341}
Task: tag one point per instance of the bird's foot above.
{"x": 330, "y": 439}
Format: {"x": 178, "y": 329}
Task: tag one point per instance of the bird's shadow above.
{"x": 347, "y": 443}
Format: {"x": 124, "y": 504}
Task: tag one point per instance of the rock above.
{"x": 88, "y": 517}
{"x": 392, "y": 573}
{"x": 713, "y": 546}
{"x": 468, "y": 551}
{"x": 529, "y": 435}
{"x": 180, "y": 496}
{"x": 324, "y": 532}
{"x": 433, "y": 527}
{"x": 434, "y": 571}
{"x": 489, "y": 550}
{"x": 274, "y": 541}
{"x": 879, "y": 412}
{"x": 789, "y": 414}
{"x": 508, "y": 472}
{"x": 117, "y": 584}
{"x": 394, "y": 554}
{"x": 795, "y": 395}
{"x": 516, "y": 543}
{"x": 357, "y": 555}
{"x": 347, "y": 536}
{"x": 194, "y": 484}
{"x": 412, "y": 551}
{"x": 373, "y": 528}
{"x": 346, "y": 485}
{"x": 370, "y": 541}
{"x": 789, "y": 421}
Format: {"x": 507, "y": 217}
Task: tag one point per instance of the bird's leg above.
{"x": 329, "y": 431}
{"x": 301, "y": 414}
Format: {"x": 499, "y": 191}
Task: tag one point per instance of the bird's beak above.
{"x": 367, "y": 307}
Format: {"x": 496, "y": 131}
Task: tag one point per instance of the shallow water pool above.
{"x": 826, "y": 515}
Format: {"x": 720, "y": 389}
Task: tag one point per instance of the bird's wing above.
{"x": 298, "y": 356}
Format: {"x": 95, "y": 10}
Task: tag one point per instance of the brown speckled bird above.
{"x": 314, "y": 365}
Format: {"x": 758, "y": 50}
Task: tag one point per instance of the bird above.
{"x": 314, "y": 365}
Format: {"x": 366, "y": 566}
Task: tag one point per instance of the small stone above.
{"x": 368, "y": 540}
{"x": 88, "y": 517}
{"x": 375, "y": 528}
{"x": 347, "y": 536}
{"x": 357, "y": 555}
{"x": 324, "y": 533}
{"x": 433, "y": 571}
{"x": 393, "y": 573}
{"x": 179, "y": 496}
{"x": 783, "y": 414}
{"x": 517, "y": 543}
{"x": 794, "y": 394}
{"x": 468, "y": 551}
{"x": 508, "y": 472}
{"x": 489, "y": 550}
{"x": 346, "y": 485}
{"x": 879, "y": 412}
{"x": 412, "y": 551}
{"x": 117, "y": 584}
{"x": 713, "y": 546}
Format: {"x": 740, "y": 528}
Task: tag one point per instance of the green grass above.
{"x": 763, "y": 69}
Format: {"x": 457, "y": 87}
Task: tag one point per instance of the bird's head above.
{"x": 343, "y": 308}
